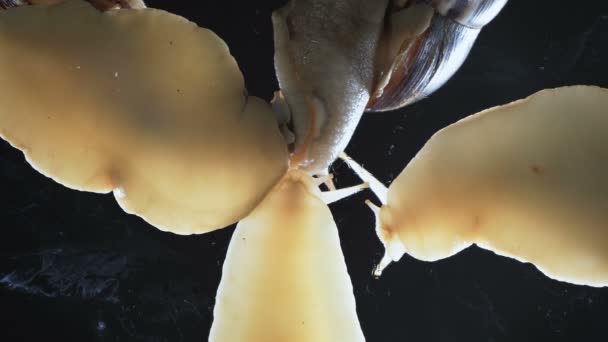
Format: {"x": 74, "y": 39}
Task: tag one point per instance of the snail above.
{"x": 156, "y": 140}
{"x": 336, "y": 59}
{"x": 539, "y": 176}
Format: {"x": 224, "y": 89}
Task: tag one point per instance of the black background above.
{"x": 73, "y": 266}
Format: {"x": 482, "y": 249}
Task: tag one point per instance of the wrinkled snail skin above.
{"x": 284, "y": 277}
{"x": 527, "y": 180}
{"x": 428, "y": 56}
{"x": 325, "y": 56}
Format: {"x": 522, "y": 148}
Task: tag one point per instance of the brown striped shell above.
{"x": 430, "y": 40}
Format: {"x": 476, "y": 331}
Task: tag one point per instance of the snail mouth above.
{"x": 299, "y": 158}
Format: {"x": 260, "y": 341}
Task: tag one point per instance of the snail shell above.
{"x": 432, "y": 39}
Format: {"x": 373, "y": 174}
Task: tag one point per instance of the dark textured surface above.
{"x": 74, "y": 267}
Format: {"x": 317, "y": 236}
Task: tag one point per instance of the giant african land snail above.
{"x": 336, "y": 59}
